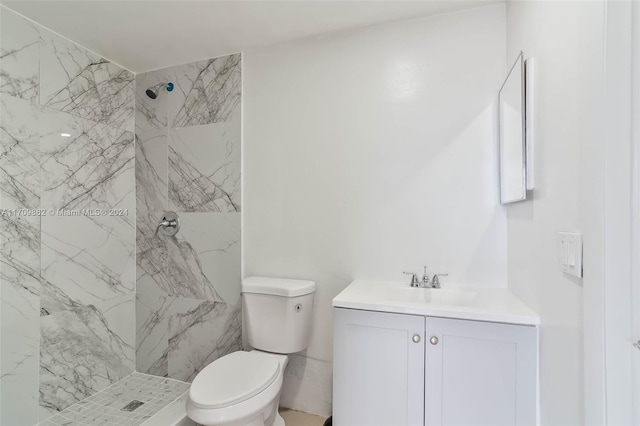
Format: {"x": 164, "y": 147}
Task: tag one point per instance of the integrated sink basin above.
{"x": 468, "y": 302}
{"x": 437, "y": 296}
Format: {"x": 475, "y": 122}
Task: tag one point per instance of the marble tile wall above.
{"x": 188, "y": 309}
{"x": 67, "y": 283}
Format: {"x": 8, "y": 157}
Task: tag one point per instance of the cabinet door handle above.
{"x": 433, "y": 340}
{"x": 416, "y": 338}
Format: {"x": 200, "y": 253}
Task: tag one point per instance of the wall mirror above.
{"x": 513, "y": 137}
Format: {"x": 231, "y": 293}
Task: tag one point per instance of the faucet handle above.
{"x": 435, "y": 282}
{"x": 414, "y": 279}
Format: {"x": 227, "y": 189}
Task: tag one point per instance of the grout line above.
{"x": 108, "y": 401}
{"x": 158, "y": 412}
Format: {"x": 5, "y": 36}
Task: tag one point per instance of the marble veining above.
{"x": 194, "y": 191}
{"x": 228, "y": 340}
{"x": 186, "y": 273}
{"x": 203, "y": 262}
{"x": 68, "y": 283}
{"x": 151, "y": 196}
{"x": 78, "y": 82}
{"x": 20, "y": 264}
{"x": 188, "y": 160}
{"x": 89, "y": 260}
{"x": 151, "y": 262}
{"x": 18, "y": 57}
{"x": 151, "y": 177}
{"x": 20, "y": 304}
{"x": 93, "y": 168}
{"x": 53, "y": 299}
{"x": 199, "y": 333}
{"x": 71, "y": 281}
{"x": 20, "y": 257}
{"x": 204, "y": 167}
{"x": 151, "y": 249}
{"x": 80, "y": 354}
{"x": 215, "y": 240}
{"x": 19, "y": 154}
{"x": 178, "y": 337}
{"x": 206, "y": 92}
{"x": 152, "y": 316}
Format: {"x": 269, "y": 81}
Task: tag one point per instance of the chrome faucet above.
{"x": 435, "y": 282}
{"x": 414, "y": 279}
{"x": 425, "y": 282}
{"x": 425, "y": 278}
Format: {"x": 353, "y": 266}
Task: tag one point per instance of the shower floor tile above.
{"x": 130, "y": 401}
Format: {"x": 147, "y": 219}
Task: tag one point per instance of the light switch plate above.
{"x": 570, "y": 251}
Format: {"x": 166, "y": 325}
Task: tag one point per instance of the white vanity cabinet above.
{"x": 480, "y": 373}
{"x": 399, "y": 369}
{"x": 378, "y": 368}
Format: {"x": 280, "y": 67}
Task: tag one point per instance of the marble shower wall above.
{"x": 67, "y": 283}
{"x": 188, "y": 160}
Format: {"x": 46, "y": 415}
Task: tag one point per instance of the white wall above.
{"x": 635, "y": 112}
{"x": 370, "y": 153}
{"x": 620, "y": 206}
{"x": 565, "y": 38}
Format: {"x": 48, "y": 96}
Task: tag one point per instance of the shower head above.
{"x": 153, "y": 91}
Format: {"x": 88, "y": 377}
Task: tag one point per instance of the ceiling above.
{"x": 146, "y": 35}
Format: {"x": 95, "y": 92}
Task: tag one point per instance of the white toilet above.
{"x": 243, "y": 388}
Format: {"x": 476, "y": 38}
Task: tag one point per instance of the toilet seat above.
{"x": 232, "y": 379}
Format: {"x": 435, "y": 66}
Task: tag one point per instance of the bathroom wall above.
{"x": 369, "y": 153}
{"x": 566, "y": 40}
{"x": 68, "y": 282}
{"x": 188, "y": 160}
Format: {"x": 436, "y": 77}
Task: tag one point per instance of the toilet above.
{"x": 243, "y": 388}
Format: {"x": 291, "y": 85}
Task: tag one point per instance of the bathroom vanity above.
{"x": 422, "y": 356}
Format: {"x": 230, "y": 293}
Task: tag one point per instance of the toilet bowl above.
{"x": 243, "y": 388}
{"x": 239, "y": 389}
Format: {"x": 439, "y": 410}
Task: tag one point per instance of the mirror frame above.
{"x": 521, "y": 62}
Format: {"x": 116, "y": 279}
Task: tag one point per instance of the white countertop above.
{"x": 470, "y": 303}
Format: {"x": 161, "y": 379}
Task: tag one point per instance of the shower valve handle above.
{"x": 170, "y": 224}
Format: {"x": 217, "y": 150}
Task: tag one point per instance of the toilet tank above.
{"x": 277, "y": 313}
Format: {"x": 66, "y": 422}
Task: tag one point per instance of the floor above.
{"x": 299, "y": 418}
{"x": 145, "y": 400}
{"x": 133, "y": 401}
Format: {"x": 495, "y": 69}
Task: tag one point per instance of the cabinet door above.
{"x": 480, "y": 373}
{"x": 378, "y": 368}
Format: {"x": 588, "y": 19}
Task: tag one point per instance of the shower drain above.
{"x": 132, "y": 405}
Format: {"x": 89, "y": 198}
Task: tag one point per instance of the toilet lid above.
{"x": 233, "y": 378}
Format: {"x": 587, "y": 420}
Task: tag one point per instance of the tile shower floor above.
{"x": 133, "y": 400}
